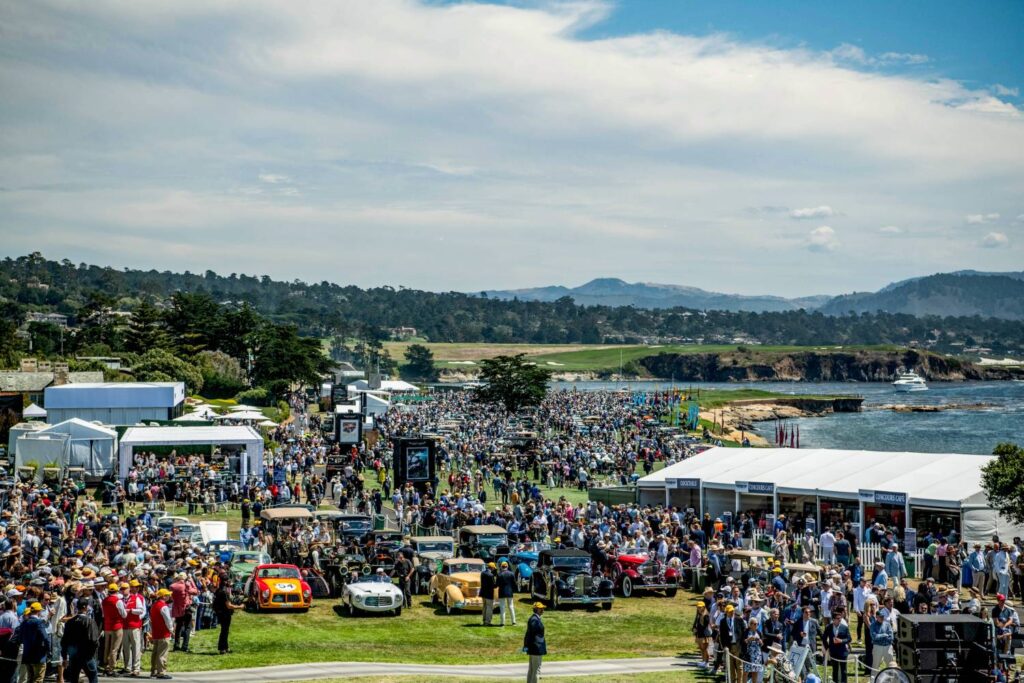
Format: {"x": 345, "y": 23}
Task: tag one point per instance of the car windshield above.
{"x": 376, "y": 578}
{"x": 250, "y": 557}
{"x": 279, "y": 573}
{"x": 458, "y": 567}
{"x": 356, "y": 525}
{"x": 492, "y": 539}
{"x": 574, "y": 563}
{"x": 435, "y": 547}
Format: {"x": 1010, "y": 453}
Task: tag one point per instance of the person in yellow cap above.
{"x": 161, "y": 627}
{"x": 114, "y": 615}
{"x": 487, "y": 586}
{"x": 131, "y": 643}
{"x": 730, "y": 640}
{"x": 534, "y": 643}
{"x": 34, "y": 634}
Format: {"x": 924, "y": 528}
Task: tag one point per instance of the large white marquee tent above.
{"x": 141, "y": 437}
{"x": 731, "y": 479}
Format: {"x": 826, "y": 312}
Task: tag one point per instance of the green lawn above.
{"x": 649, "y": 626}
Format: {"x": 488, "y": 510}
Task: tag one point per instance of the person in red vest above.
{"x": 131, "y": 644}
{"x": 113, "y": 628}
{"x": 161, "y": 627}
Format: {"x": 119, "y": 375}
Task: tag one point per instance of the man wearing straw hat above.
{"x": 534, "y": 644}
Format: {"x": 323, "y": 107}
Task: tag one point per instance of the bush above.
{"x": 222, "y": 374}
{"x": 254, "y": 397}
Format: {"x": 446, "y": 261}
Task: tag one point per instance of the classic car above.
{"x": 457, "y": 585}
{"x": 279, "y": 521}
{"x": 340, "y": 565}
{"x": 168, "y": 522}
{"x": 243, "y": 562}
{"x": 225, "y": 549}
{"x": 485, "y": 541}
{"x": 346, "y": 525}
{"x": 430, "y": 551}
{"x": 373, "y": 593}
{"x": 523, "y": 561}
{"x": 642, "y": 572}
{"x": 278, "y": 587}
{"x": 566, "y": 577}
{"x": 381, "y": 548}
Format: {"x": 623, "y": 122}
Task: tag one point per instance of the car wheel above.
{"x": 671, "y": 592}
{"x": 627, "y": 587}
{"x": 398, "y": 611}
{"x": 447, "y": 605}
{"x": 606, "y": 605}
{"x": 556, "y": 601}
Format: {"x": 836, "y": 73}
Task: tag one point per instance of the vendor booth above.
{"x": 245, "y": 441}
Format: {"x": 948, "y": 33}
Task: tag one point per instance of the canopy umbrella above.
{"x": 268, "y": 423}
{"x": 241, "y": 407}
{"x": 33, "y": 412}
{"x": 246, "y": 415}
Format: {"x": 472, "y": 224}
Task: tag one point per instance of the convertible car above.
{"x": 524, "y": 561}
{"x": 374, "y": 593}
{"x": 457, "y": 585}
{"x": 278, "y": 587}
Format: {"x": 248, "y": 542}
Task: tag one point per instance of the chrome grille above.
{"x": 378, "y": 601}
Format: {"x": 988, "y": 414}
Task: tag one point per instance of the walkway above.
{"x": 314, "y": 671}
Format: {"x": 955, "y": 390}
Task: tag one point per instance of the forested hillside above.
{"x": 86, "y": 292}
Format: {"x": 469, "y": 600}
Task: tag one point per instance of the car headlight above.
{"x": 533, "y": 564}
{"x": 266, "y": 593}
{"x": 457, "y": 584}
{"x": 306, "y": 594}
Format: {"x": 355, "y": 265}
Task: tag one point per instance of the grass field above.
{"x": 649, "y": 626}
{"x": 589, "y": 358}
{"x": 683, "y": 674}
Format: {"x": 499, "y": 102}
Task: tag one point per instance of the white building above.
{"x": 115, "y": 403}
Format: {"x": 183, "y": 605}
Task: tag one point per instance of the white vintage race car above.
{"x": 372, "y": 594}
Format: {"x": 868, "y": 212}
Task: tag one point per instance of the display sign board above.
{"x": 414, "y": 461}
{"x": 348, "y": 428}
{"x": 685, "y": 483}
{"x": 763, "y": 488}
{"x": 910, "y": 541}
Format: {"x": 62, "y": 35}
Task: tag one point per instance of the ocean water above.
{"x": 964, "y": 429}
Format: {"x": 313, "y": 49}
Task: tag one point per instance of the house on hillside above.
{"x": 32, "y": 384}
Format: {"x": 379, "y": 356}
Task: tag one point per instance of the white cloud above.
{"x": 856, "y": 55}
{"x": 497, "y": 126}
{"x": 822, "y": 239}
{"x": 1020, "y": 218}
{"x": 891, "y": 230}
{"x": 1005, "y": 91}
{"x": 813, "y": 212}
{"x": 995, "y": 240}
{"x": 981, "y": 218}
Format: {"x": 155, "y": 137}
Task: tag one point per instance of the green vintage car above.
{"x": 243, "y": 562}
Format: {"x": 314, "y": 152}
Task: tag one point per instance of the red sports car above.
{"x": 641, "y": 572}
{"x": 278, "y": 587}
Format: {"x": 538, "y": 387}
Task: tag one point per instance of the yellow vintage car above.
{"x": 457, "y": 585}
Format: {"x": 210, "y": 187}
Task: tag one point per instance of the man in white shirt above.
{"x": 860, "y": 597}
{"x": 828, "y": 546}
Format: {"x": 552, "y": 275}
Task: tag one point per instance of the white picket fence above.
{"x": 869, "y": 554}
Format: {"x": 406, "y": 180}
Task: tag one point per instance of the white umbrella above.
{"x": 246, "y": 415}
{"x": 240, "y": 408}
{"x": 268, "y": 423}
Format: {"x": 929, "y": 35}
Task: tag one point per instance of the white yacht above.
{"x": 910, "y": 381}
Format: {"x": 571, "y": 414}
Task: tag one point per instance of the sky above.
{"x": 786, "y": 148}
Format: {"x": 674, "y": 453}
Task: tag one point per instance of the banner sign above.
{"x": 910, "y": 541}
{"x": 882, "y": 497}
{"x": 686, "y": 483}
{"x": 764, "y": 488}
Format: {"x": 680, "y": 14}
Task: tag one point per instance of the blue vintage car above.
{"x": 523, "y": 560}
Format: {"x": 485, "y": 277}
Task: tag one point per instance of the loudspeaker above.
{"x": 931, "y": 659}
{"x": 940, "y": 630}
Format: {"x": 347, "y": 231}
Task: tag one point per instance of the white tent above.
{"x": 393, "y": 385}
{"x": 140, "y": 437}
{"x": 935, "y": 481}
{"x": 244, "y": 415}
{"x": 90, "y": 446}
{"x": 33, "y": 412}
{"x": 43, "y": 450}
{"x": 239, "y": 408}
{"x": 19, "y": 430}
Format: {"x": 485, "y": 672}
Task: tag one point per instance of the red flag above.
{"x": 792, "y": 439}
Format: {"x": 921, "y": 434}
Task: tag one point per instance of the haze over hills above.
{"x": 967, "y": 292}
{"x": 616, "y": 292}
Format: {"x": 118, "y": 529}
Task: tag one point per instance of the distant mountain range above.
{"x": 967, "y": 292}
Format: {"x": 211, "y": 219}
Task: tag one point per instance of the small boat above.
{"x": 909, "y": 381}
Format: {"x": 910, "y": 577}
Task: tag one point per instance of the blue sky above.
{"x": 785, "y": 148}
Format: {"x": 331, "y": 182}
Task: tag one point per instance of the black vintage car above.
{"x": 339, "y": 564}
{"x": 381, "y": 549}
{"x": 489, "y": 542}
{"x": 351, "y": 526}
{"x": 566, "y": 577}
{"x": 430, "y": 552}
